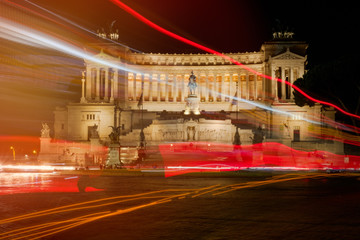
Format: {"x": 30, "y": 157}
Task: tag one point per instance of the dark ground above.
{"x": 324, "y": 208}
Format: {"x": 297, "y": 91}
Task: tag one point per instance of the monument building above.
{"x": 160, "y": 98}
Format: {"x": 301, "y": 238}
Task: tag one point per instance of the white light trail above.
{"x": 11, "y": 30}
{"x": 77, "y": 25}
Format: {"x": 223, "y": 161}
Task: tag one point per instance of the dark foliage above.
{"x": 335, "y": 81}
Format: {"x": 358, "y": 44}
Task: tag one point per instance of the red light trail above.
{"x": 209, "y": 50}
{"x": 181, "y": 158}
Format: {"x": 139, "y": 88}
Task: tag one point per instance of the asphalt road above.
{"x": 279, "y": 206}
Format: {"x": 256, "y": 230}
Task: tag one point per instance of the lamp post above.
{"x": 13, "y": 151}
{"x": 237, "y": 141}
{"x": 35, "y": 154}
{"x": 117, "y": 118}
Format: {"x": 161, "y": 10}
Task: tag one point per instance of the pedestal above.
{"x": 192, "y": 105}
{"x": 113, "y": 155}
{"x": 45, "y": 144}
{"x": 45, "y": 154}
{"x": 95, "y": 145}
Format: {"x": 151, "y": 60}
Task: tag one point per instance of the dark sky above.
{"x": 226, "y": 26}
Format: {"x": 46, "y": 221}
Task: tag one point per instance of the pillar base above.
{"x": 192, "y": 105}
{"x": 83, "y": 100}
{"x": 114, "y": 155}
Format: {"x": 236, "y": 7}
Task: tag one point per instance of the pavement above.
{"x": 287, "y": 205}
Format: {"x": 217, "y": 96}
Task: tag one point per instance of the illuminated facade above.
{"x": 152, "y": 97}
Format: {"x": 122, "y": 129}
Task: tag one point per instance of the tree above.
{"x": 300, "y": 100}
{"x": 336, "y": 81}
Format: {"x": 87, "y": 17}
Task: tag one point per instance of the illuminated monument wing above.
{"x": 158, "y": 102}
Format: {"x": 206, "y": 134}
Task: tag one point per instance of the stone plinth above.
{"x": 45, "y": 144}
{"x": 192, "y": 105}
{"x": 113, "y": 155}
{"x": 95, "y": 145}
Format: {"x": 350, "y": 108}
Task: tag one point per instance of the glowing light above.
{"x": 183, "y": 158}
{"x": 13, "y": 152}
{"x": 76, "y": 25}
{"x": 35, "y": 167}
{"x": 13, "y": 31}
{"x": 209, "y": 50}
{"x": 40, "y": 230}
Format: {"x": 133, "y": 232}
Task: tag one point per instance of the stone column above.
{"x": 82, "y": 99}
{"x": 220, "y": 88}
{"x": 274, "y": 84}
{"x": 88, "y": 83}
{"x": 301, "y": 71}
{"x": 239, "y": 86}
{"x": 231, "y": 90}
{"x": 146, "y": 84}
{"x": 206, "y": 88}
{"x": 247, "y": 87}
{"x": 150, "y": 87}
{"x": 106, "y": 84}
{"x": 172, "y": 87}
{"x": 175, "y": 88}
{"x": 97, "y": 88}
{"x": 158, "y": 87}
{"x": 216, "y": 88}
{"x": 135, "y": 80}
{"x": 255, "y": 86}
{"x": 142, "y": 84}
{"x": 112, "y": 90}
{"x": 166, "y": 88}
{"x": 291, "y": 79}
{"x": 130, "y": 86}
{"x": 283, "y": 85}
{"x": 182, "y": 86}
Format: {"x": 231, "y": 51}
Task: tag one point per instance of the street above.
{"x": 249, "y": 206}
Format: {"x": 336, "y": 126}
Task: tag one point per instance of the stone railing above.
{"x": 194, "y": 59}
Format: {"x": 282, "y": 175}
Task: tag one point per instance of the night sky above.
{"x": 226, "y": 26}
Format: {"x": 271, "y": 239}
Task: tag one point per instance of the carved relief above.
{"x": 190, "y": 133}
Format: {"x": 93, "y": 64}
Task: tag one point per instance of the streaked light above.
{"x": 209, "y": 50}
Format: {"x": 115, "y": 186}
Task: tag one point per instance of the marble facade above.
{"x": 135, "y": 99}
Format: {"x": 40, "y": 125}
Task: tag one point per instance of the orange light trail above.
{"x": 34, "y": 233}
{"x": 50, "y": 228}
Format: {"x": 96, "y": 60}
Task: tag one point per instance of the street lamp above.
{"x": 35, "y": 154}
{"x": 13, "y": 151}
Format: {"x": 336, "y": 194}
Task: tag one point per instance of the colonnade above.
{"x": 101, "y": 84}
{"x": 211, "y": 87}
{"x": 281, "y": 90}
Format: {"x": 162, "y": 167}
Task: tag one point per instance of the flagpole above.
{"x": 237, "y": 141}
{"x": 237, "y": 103}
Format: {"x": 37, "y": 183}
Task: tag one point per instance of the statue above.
{"x": 259, "y": 135}
{"x": 114, "y": 135}
{"x": 94, "y": 131}
{"x": 237, "y": 140}
{"x": 142, "y": 138}
{"x": 192, "y": 83}
{"x": 45, "y": 131}
{"x": 190, "y": 133}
